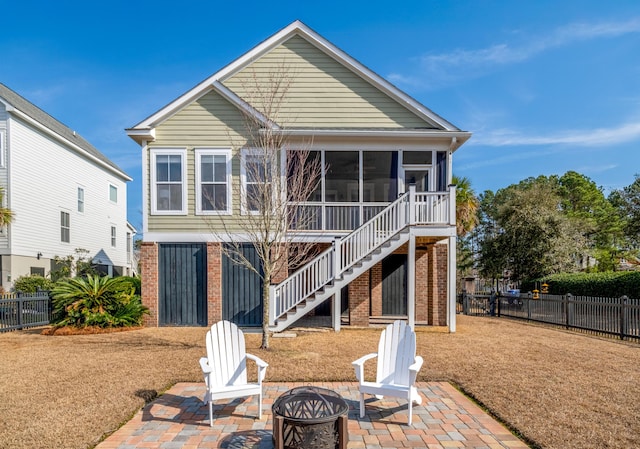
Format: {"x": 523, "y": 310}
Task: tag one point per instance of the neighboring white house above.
{"x": 63, "y": 192}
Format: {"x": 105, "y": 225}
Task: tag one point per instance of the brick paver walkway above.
{"x": 179, "y": 420}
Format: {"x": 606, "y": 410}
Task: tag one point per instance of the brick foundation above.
{"x": 359, "y": 301}
{"x": 214, "y": 283}
{"x": 149, "y": 281}
{"x": 376, "y": 290}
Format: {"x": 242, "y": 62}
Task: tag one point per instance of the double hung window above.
{"x": 168, "y": 175}
{"x": 65, "y": 227}
{"x": 213, "y": 179}
{"x": 256, "y": 181}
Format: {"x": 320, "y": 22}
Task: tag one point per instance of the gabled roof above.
{"x": 18, "y": 105}
{"x": 145, "y": 129}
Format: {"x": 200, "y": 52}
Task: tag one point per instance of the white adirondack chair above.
{"x": 398, "y": 367}
{"x": 225, "y": 367}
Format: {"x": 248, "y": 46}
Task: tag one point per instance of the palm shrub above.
{"x": 96, "y": 301}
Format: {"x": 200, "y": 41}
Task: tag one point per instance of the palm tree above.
{"x": 466, "y": 206}
{"x": 6, "y": 215}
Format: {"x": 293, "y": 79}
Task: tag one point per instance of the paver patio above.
{"x": 179, "y": 420}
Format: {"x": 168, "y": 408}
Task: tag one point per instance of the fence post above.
{"x": 623, "y": 316}
{"x": 567, "y": 320}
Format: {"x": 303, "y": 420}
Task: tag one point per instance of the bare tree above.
{"x": 279, "y": 176}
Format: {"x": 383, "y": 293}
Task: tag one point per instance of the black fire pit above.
{"x": 310, "y": 418}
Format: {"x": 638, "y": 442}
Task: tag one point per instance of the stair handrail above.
{"x": 342, "y": 255}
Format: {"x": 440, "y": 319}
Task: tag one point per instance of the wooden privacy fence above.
{"x": 619, "y": 317}
{"x": 23, "y": 310}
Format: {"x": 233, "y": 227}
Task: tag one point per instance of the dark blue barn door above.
{"x": 182, "y": 278}
{"x": 242, "y": 289}
{"x": 394, "y": 285}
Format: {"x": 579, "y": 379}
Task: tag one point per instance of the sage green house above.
{"x": 383, "y": 212}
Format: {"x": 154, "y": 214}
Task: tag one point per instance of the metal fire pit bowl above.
{"x": 310, "y": 418}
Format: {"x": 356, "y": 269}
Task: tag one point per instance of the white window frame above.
{"x": 182, "y": 152}
{"x": 244, "y": 153}
{"x": 129, "y": 246}
{"x": 113, "y": 236}
{"x": 81, "y": 202}
{"x": 226, "y": 152}
{"x": 68, "y": 227}
{"x": 113, "y": 188}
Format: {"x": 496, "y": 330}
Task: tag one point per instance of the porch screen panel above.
{"x": 342, "y": 176}
{"x": 380, "y": 176}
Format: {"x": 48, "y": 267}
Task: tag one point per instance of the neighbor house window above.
{"x": 80, "y": 199}
{"x": 38, "y": 271}
{"x": 168, "y": 175}
{"x": 213, "y": 179}
{"x": 113, "y": 236}
{"x": 113, "y": 193}
{"x": 128, "y": 247}
{"x": 256, "y": 186}
{"x": 65, "y": 227}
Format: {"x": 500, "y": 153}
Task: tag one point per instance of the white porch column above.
{"x": 451, "y": 284}
{"x": 336, "y": 310}
{"x": 411, "y": 280}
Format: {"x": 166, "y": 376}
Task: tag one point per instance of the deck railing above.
{"x": 423, "y": 208}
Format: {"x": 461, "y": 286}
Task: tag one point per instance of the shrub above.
{"x": 135, "y": 282}
{"x": 96, "y": 301}
{"x": 610, "y": 284}
{"x": 32, "y": 283}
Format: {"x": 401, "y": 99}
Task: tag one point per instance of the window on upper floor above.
{"x": 168, "y": 175}
{"x": 80, "y": 199}
{"x": 65, "y": 227}
{"x": 113, "y": 193}
{"x": 213, "y": 181}
{"x": 256, "y": 186}
{"x": 113, "y": 236}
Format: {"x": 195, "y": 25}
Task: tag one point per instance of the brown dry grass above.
{"x": 558, "y": 389}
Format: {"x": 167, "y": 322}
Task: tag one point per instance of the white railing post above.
{"x": 272, "y": 305}
{"x": 412, "y": 204}
{"x": 452, "y": 204}
{"x": 337, "y": 259}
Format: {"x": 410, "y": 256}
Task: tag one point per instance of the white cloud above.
{"x": 591, "y": 137}
{"x": 447, "y": 67}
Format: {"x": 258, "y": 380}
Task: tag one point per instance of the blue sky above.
{"x": 545, "y": 86}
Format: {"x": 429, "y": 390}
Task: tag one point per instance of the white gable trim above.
{"x": 295, "y": 28}
{"x": 245, "y": 107}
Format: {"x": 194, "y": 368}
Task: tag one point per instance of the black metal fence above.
{"x": 619, "y": 317}
{"x": 23, "y": 310}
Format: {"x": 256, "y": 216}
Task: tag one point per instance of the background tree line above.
{"x": 546, "y": 225}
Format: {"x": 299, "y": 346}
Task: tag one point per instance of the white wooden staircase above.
{"x": 356, "y": 253}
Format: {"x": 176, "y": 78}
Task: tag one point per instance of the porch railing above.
{"x": 424, "y": 208}
{"x": 431, "y": 208}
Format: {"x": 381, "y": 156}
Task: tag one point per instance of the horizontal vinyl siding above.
{"x": 209, "y": 122}
{"x": 44, "y": 180}
{"x": 4, "y": 182}
{"x": 324, "y": 93}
